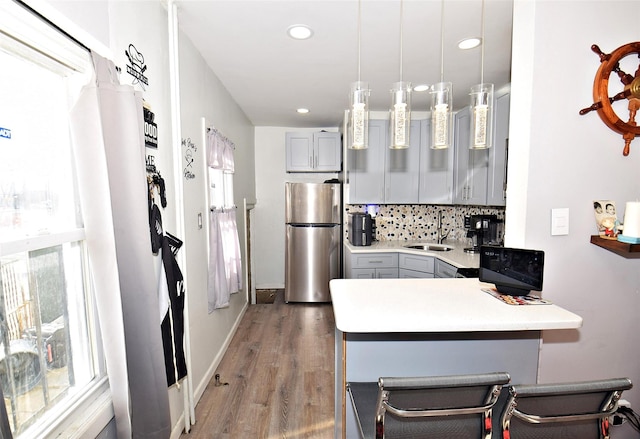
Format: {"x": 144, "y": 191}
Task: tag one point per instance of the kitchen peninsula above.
{"x": 411, "y": 327}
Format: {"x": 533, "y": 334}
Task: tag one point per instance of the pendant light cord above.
{"x": 442, "y": 41}
{"x": 401, "y": 20}
{"x": 483, "y": 43}
{"x": 359, "y": 34}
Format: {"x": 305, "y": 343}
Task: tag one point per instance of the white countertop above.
{"x": 456, "y": 257}
{"x": 436, "y": 305}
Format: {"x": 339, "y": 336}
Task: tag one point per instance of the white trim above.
{"x": 41, "y": 241}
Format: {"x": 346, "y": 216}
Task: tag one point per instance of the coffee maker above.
{"x": 483, "y": 230}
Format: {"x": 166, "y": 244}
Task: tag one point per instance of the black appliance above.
{"x": 483, "y": 230}
{"x": 514, "y": 271}
{"x": 360, "y": 229}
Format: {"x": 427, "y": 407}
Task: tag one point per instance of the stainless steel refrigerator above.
{"x": 313, "y": 240}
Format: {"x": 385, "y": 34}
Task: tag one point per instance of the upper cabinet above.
{"x": 436, "y": 170}
{"x": 313, "y": 152}
{"x": 420, "y": 175}
{"x": 382, "y": 175}
{"x": 481, "y": 175}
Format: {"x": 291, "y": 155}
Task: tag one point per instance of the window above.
{"x": 49, "y": 353}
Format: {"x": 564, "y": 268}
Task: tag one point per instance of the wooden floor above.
{"x": 279, "y": 368}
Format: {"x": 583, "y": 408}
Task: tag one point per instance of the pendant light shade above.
{"x": 358, "y": 127}
{"x": 481, "y": 116}
{"x": 400, "y": 115}
{"x": 358, "y": 123}
{"x": 441, "y": 101}
{"x": 481, "y": 106}
{"x": 400, "y": 110}
{"x": 441, "y": 115}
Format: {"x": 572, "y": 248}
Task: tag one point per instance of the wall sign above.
{"x": 189, "y": 149}
{"x": 137, "y": 67}
{"x": 150, "y": 130}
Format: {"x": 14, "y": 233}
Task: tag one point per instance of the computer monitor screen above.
{"x": 513, "y": 271}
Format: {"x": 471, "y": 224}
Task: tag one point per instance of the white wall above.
{"x": 561, "y": 159}
{"x": 269, "y": 211}
{"x": 109, "y": 27}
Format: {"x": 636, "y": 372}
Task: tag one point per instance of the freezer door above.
{"x": 312, "y": 203}
{"x": 312, "y": 259}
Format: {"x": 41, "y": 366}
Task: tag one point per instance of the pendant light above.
{"x": 358, "y": 123}
{"x": 441, "y": 100}
{"x": 400, "y": 111}
{"x": 481, "y": 106}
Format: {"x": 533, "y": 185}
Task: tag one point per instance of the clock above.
{"x": 622, "y": 123}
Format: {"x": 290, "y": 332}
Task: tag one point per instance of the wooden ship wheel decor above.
{"x": 630, "y": 91}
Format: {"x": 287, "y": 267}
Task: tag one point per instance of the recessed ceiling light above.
{"x": 469, "y": 43}
{"x": 421, "y": 87}
{"x": 299, "y": 31}
{"x": 302, "y": 110}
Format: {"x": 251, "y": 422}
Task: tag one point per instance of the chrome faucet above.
{"x": 440, "y": 237}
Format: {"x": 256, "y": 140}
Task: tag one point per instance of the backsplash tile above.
{"x": 410, "y": 222}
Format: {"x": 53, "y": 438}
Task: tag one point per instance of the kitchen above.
{"x": 553, "y": 166}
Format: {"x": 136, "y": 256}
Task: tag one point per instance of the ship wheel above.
{"x": 630, "y": 92}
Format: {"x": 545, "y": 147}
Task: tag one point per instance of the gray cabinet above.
{"x": 471, "y": 166}
{"x": 480, "y": 175}
{"x": 415, "y": 266}
{"x": 381, "y": 175}
{"x": 436, "y": 170}
{"x": 371, "y": 265}
{"x": 313, "y": 152}
{"x": 444, "y": 270}
{"x": 366, "y": 167}
{"x": 497, "y": 178}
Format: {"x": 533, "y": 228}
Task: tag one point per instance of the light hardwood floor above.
{"x": 280, "y": 373}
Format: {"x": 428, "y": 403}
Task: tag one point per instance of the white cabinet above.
{"x": 381, "y": 175}
{"x": 480, "y": 175}
{"x": 313, "y": 152}
{"x": 371, "y": 265}
{"x": 436, "y": 170}
{"x": 415, "y": 266}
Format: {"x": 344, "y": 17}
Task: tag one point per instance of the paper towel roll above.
{"x": 632, "y": 219}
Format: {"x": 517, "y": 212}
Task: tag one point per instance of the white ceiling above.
{"x": 270, "y": 75}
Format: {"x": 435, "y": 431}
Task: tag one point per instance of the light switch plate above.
{"x": 560, "y": 221}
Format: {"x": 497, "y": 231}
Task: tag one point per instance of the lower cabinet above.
{"x": 371, "y": 266}
{"x": 415, "y": 266}
{"x": 443, "y": 269}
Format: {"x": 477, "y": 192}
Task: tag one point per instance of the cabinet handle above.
{"x": 375, "y": 262}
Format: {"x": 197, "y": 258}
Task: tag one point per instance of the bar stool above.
{"x": 446, "y": 407}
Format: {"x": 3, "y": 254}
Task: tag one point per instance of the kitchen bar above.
{"x": 412, "y": 327}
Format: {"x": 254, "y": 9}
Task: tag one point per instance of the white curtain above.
{"x": 225, "y": 267}
{"x": 108, "y": 139}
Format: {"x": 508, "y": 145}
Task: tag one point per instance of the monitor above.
{"x": 514, "y": 271}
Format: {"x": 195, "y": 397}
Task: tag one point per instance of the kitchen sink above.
{"x": 430, "y": 247}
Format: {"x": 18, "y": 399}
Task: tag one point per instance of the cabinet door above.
{"x": 363, "y": 273}
{"x": 470, "y": 165}
{"x": 497, "y": 183}
{"x": 436, "y": 170}
{"x": 444, "y": 269}
{"x": 299, "y": 151}
{"x": 402, "y": 170}
{"x": 327, "y": 152}
{"x": 366, "y": 167}
{"x": 387, "y": 273}
{"x": 424, "y": 264}
{"x": 403, "y": 273}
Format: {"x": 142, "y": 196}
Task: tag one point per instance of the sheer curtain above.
{"x": 107, "y": 135}
{"x": 225, "y": 267}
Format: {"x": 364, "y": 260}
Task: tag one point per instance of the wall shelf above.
{"x": 629, "y": 251}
